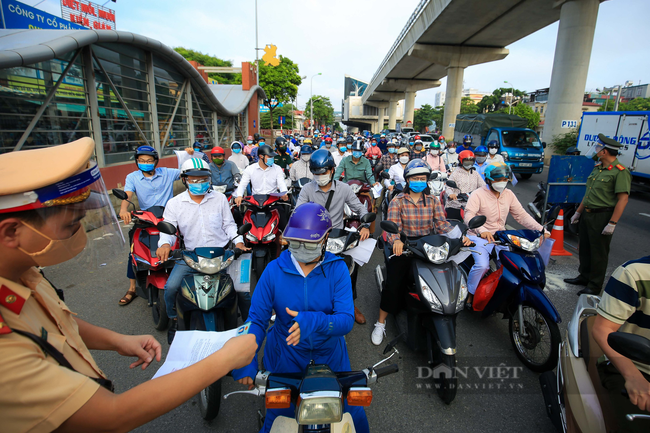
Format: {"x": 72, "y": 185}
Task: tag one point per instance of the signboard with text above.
{"x": 88, "y": 14}
{"x": 17, "y": 15}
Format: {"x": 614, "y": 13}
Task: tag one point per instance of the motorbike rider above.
{"x": 480, "y": 156}
{"x": 390, "y": 157}
{"x": 328, "y": 144}
{"x": 467, "y": 179}
{"x": 300, "y": 168}
{"x": 38, "y": 331}
{"x": 494, "y": 201}
{"x": 261, "y": 141}
{"x": 451, "y": 157}
{"x": 435, "y": 159}
{"x": 396, "y": 171}
{"x": 319, "y": 191}
{"x": 467, "y": 144}
{"x": 493, "y": 155}
{"x": 284, "y": 159}
{"x": 237, "y": 157}
{"x": 222, "y": 171}
{"x": 382, "y": 142}
{"x": 623, "y": 307}
{"x": 416, "y": 213}
{"x": 373, "y": 150}
{"x": 248, "y": 147}
{"x": 355, "y": 166}
{"x": 417, "y": 152}
{"x": 310, "y": 291}
{"x": 341, "y": 151}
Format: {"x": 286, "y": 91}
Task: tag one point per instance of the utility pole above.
{"x": 512, "y": 98}
{"x": 618, "y": 97}
{"x": 311, "y": 104}
{"x": 257, "y": 70}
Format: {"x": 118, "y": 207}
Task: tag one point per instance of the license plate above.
{"x": 525, "y": 164}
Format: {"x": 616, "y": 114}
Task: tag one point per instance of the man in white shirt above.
{"x": 341, "y": 151}
{"x": 204, "y": 219}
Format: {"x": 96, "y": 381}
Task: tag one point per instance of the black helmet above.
{"x": 256, "y": 137}
{"x": 572, "y": 151}
{"x": 349, "y": 139}
{"x": 266, "y": 150}
{"x": 356, "y": 146}
{"x": 280, "y": 141}
{"x": 321, "y": 161}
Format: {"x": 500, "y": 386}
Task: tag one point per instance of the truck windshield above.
{"x": 520, "y": 139}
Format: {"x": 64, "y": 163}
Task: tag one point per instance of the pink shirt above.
{"x": 484, "y": 202}
{"x": 437, "y": 163}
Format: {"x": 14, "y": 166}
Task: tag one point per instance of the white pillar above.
{"x": 575, "y": 37}
{"x": 454, "y": 93}
{"x": 380, "y": 118}
{"x": 392, "y": 114}
{"x": 409, "y": 106}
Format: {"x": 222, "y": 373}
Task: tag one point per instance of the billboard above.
{"x": 17, "y": 15}
{"x": 88, "y": 14}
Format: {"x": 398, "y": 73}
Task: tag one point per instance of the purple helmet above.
{"x": 310, "y": 222}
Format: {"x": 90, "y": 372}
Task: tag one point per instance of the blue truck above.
{"x": 520, "y": 146}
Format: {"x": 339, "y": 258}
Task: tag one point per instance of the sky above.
{"x": 327, "y": 37}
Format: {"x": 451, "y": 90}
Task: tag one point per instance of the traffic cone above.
{"x": 557, "y": 234}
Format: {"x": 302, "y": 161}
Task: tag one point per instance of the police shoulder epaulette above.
{"x": 620, "y": 167}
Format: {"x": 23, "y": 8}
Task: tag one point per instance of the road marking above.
{"x": 645, "y": 214}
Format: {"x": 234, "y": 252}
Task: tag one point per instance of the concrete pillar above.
{"x": 454, "y": 94}
{"x": 409, "y": 107}
{"x": 575, "y": 37}
{"x": 392, "y": 114}
{"x": 380, "y": 118}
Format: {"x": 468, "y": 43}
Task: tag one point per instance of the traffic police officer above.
{"x": 49, "y": 379}
{"x": 608, "y": 190}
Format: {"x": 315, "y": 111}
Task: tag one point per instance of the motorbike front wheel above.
{"x": 446, "y": 382}
{"x": 210, "y": 397}
{"x": 158, "y": 309}
{"x": 539, "y": 349}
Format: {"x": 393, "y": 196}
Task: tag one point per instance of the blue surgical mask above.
{"x": 417, "y": 185}
{"x": 373, "y": 144}
{"x": 196, "y": 149}
{"x": 198, "y": 188}
{"x": 357, "y": 154}
{"x": 236, "y": 150}
{"x": 249, "y": 142}
{"x": 343, "y": 149}
{"x": 146, "y": 167}
{"x": 269, "y": 162}
{"x": 392, "y": 150}
{"x": 411, "y": 143}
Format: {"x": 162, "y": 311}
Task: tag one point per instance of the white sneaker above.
{"x": 378, "y": 333}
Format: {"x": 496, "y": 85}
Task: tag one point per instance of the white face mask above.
{"x": 452, "y": 150}
{"x": 305, "y": 158}
{"x": 493, "y": 151}
{"x": 434, "y": 152}
{"x": 404, "y": 159}
{"x": 499, "y": 186}
{"x": 322, "y": 179}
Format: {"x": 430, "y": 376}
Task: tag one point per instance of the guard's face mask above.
{"x": 594, "y": 150}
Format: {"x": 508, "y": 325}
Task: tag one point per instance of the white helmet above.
{"x": 195, "y": 167}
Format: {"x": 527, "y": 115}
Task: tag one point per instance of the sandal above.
{"x": 128, "y": 298}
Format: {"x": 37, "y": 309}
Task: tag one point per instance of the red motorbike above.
{"x": 362, "y": 191}
{"x": 263, "y": 237}
{"x": 151, "y": 274}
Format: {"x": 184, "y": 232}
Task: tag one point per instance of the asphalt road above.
{"x": 486, "y": 402}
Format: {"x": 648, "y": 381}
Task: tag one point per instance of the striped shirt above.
{"x": 467, "y": 181}
{"x": 417, "y": 219}
{"x": 626, "y": 300}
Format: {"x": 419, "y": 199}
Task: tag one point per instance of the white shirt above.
{"x": 240, "y": 161}
{"x": 338, "y": 157}
{"x": 206, "y": 224}
{"x": 263, "y": 181}
{"x": 396, "y": 172}
{"x": 494, "y": 158}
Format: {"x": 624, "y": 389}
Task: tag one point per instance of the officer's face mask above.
{"x": 594, "y": 150}
{"x": 58, "y": 250}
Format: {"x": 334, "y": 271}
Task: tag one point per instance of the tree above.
{"x": 208, "y": 60}
{"x": 285, "y": 110}
{"x": 323, "y": 110}
{"x": 280, "y": 83}
{"x": 467, "y": 106}
{"x": 494, "y": 101}
{"x": 423, "y": 117}
{"x": 562, "y": 142}
{"x": 524, "y": 111}
{"x": 636, "y": 104}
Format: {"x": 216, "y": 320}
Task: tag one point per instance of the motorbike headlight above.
{"x": 225, "y": 290}
{"x": 205, "y": 266}
{"x": 220, "y": 188}
{"x": 323, "y": 407}
{"x": 335, "y": 245}
{"x": 251, "y": 237}
{"x": 525, "y": 244}
{"x": 437, "y": 255}
{"x": 430, "y": 296}
{"x": 271, "y": 235}
{"x": 462, "y": 294}
{"x": 505, "y": 156}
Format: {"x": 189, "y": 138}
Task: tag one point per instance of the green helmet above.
{"x": 434, "y": 145}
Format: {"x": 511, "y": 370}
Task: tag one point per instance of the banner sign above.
{"x": 17, "y": 15}
{"x": 88, "y": 14}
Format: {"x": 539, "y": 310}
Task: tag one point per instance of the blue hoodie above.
{"x": 326, "y": 314}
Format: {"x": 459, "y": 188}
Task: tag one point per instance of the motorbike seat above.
{"x": 157, "y": 211}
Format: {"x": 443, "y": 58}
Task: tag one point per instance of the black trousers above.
{"x": 614, "y": 382}
{"x": 398, "y": 279}
{"x": 453, "y": 214}
{"x": 593, "y": 250}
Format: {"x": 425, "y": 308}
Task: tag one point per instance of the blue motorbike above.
{"x": 518, "y": 279}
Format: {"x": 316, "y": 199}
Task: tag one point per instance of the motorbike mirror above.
{"x": 632, "y": 346}
{"x": 393, "y": 343}
{"x": 384, "y": 175}
{"x": 166, "y": 228}
{"x": 120, "y": 194}
{"x": 554, "y": 213}
{"x": 543, "y": 145}
{"x": 369, "y": 217}
{"x": 477, "y": 222}
{"x": 389, "y": 227}
{"x": 433, "y": 176}
{"x": 244, "y": 229}
{"x": 533, "y": 210}
{"x": 452, "y": 184}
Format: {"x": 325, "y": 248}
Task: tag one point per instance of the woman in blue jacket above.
{"x": 311, "y": 292}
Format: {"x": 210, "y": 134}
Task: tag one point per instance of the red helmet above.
{"x": 216, "y": 150}
{"x": 417, "y": 137}
{"x": 465, "y": 154}
{"x": 328, "y": 140}
{"x": 441, "y": 138}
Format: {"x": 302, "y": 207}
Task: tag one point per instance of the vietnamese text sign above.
{"x": 88, "y": 14}
{"x": 17, "y": 15}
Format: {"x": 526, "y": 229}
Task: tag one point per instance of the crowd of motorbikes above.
{"x": 435, "y": 293}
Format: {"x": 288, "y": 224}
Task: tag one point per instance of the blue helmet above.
{"x": 481, "y": 151}
{"x": 310, "y": 222}
{"x": 416, "y": 167}
{"x": 497, "y": 170}
{"x": 146, "y": 150}
{"x": 321, "y": 161}
{"x": 493, "y": 143}
{"x": 306, "y": 149}
{"x": 467, "y": 139}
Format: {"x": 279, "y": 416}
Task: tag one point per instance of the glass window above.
{"x": 168, "y": 87}
{"x": 493, "y": 136}
{"x": 202, "y": 130}
{"x": 520, "y": 139}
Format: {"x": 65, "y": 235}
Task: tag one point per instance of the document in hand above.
{"x": 376, "y": 191}
{"x": 361, "y": 254}
{"x": 190, "y": 347}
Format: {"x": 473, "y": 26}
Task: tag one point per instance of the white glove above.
{"x": 609, "y": 229}
{"x": 575, "y": 218}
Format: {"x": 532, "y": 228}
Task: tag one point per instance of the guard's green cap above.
{"x": 609, "y": 142}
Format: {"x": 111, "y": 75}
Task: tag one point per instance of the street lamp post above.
{"x": 512, "y": 91}
{"x": 311, "y": 103}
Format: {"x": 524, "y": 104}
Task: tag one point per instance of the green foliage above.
{"x": 524, "y": 111}
{"x": 280, "y": 83}
{"x": 467, "y": 106}
{"x": 426, "y": 115}
{"x": 636, "y": 104}
{"x": 208, "y": 60}
{"x": 323, "y": 110}
{"x": 493, "y": 102}
{"x": 562, "y": 142}
{"x": 285, "y": 110}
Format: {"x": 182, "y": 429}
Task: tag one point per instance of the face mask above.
{"x": 499, "y": 186}
{"x": 343, "y": 149}
{"x": 249, "y": 142}
{"x": 404, "y": 159}
{"x": 417, "y": 185}
{"x": 392, "y": 150}
{"x": 217, "y": 161}
{"x": 198, "y": 188}
{"x": 303, "y": 255}
{"x": 356, "y": 154}
{"x": 236, "y": 150}
{"x": 196, "y": 149}
{"x": 452, "y": 150}
{"x": 373, "y": 144}
{"x": 468, "y": 165}
{"x": 418, "y": 148}
{"x": 322, "y": 179}
{"x": 269, "y": 162}
{"x": 481, "y": 159}
{"x": 305, "y": 158}
{"x": 411, "y": 143}
{"x": 58, "y": 251}
{"x": 282, "y": 149}
{"x": 435, "y": 151}
{"x": 328, "y": 145}
{"x": 146, "y": 167}
{"x": 493, "y": 151}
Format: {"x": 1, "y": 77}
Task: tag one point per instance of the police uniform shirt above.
{"x": 36, "y": 393}
{"x": 604, "y": 183}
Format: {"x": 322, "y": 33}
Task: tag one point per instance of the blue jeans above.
{"x": 481, "y": 262}
{"x": 180, "y": 271}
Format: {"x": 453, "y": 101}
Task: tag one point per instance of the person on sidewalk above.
{"x": 608, "y": 190}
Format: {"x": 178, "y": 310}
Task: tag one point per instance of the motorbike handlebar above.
{"x": 385, "y": 371}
